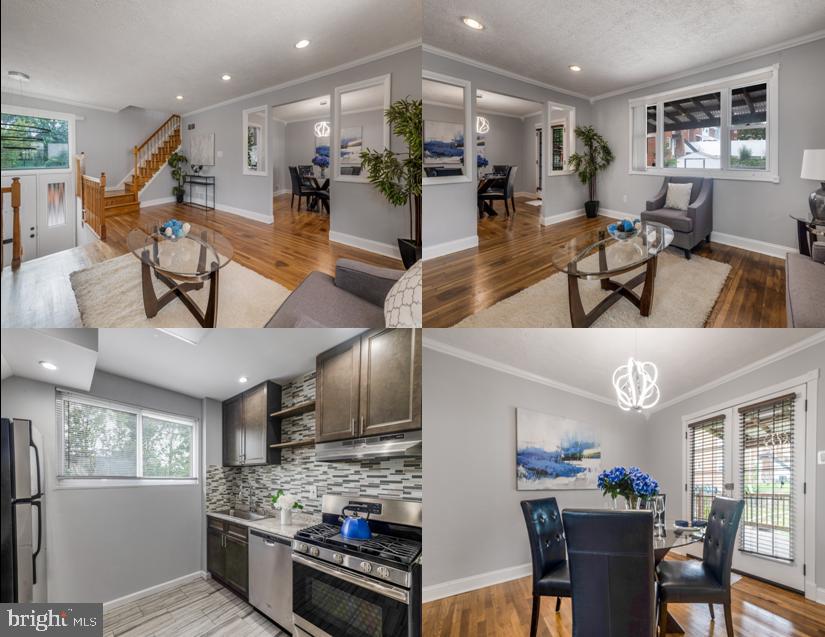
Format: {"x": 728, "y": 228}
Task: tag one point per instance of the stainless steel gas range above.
{"x": 359, "y": 588}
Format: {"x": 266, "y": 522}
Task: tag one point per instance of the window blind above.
{"x": 706, "y": 441}
{"x": 767, "y": 461}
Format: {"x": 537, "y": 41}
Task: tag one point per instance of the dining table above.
{"x": 665, "y": 538}
{"x": 323, "y": 187}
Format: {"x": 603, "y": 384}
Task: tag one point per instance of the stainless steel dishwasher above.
{"x": 270, "y": 577}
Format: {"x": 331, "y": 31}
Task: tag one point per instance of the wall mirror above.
{"x": 254, "y": 141}
{"x": 561, "y": 142}
{"x": 448, "y": 129}
{"x": 359, "y": 124}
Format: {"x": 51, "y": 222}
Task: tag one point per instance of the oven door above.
{"x": 327, "y": 600}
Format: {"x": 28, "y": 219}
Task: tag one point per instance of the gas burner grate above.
{"x": 319, "y": 532}
{"x": 387, "y": 547}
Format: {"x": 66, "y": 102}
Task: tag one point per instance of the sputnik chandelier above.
{"x": 635, "y": 385}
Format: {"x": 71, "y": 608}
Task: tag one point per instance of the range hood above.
{"x": 398, "y": 445}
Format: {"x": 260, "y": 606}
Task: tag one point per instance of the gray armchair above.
{"x": 689, "y": 226}
{"x": 354, "y": 298}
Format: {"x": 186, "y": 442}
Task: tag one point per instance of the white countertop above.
{"x": 273, "y": 525}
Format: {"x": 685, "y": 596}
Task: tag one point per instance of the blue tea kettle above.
{"x": 354, "y": 527}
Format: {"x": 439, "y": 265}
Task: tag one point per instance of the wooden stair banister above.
{"x": 16, "y": 242}
{"x": 144, "y": 155}
{"x": 94, "y": 203}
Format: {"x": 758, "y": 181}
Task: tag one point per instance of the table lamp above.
{"x": 813, "y": 167}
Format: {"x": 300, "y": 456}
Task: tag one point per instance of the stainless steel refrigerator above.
{"x": 22, "y": 535}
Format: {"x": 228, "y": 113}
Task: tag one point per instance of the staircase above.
{"x": 99, "y": 204}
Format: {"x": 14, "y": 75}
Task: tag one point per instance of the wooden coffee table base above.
{"x": 178, "y": 290}
{"x": 580, "y": 318}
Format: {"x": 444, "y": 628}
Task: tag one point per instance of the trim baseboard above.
{"x": 473, "y": 582}
{"x": 157, "y": 202}
{"x": 365, "y": 244}
{"x": 120, "y": 601}
{"x": 820, "y": 596}
{"x": 753, "y": 245}
{"x": 448, "y": 247}
{"x": 248, "y": 214}
{"x": 549, "y": 220}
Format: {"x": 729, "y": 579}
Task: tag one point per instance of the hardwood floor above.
{"x": 503, "y": 610}
{"x": 194, "y": 609}
{"x": 513, "y": 255}
{"x": 39, "y": 294}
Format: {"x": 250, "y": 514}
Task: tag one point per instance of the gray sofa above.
{"x": 689, "y": 226}
{"x": 354, "y": 298}
{"x": 805, "y": 287}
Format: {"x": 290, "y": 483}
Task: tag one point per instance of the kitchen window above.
{"x": 100, "y": 439}
{"x": 726, "y": 129}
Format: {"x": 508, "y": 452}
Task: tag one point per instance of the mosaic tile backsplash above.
{"x": 298, "y": 471}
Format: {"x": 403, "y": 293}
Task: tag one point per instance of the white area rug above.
{"x": 684, "y": 295}
{"x": 109, "y": 294}
{"x": 534, "y": 202}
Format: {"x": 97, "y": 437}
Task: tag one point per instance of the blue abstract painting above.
{"x": 553, "y": 452}
{"x": 443, "y": 142}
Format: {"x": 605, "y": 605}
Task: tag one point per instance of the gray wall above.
{"x": 664, "y": 431}
{"x": 103, "y": 543}
{"x": 470, "y": 463}
{"x": 450, "y": 209}
{"x": 280, "y": 173}
{"x": 211, "y": 445}
{"x": 756, "y": 210}
{"x": 357, "y": 208}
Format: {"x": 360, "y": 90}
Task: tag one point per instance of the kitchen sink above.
{"x": 243, "y": 515}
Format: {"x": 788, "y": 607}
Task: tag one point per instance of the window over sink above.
{"x": 101, "y": 440}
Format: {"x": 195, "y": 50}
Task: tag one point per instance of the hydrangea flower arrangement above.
{"x": 632, "y": 484}
{"x": 322, "y": 161}
{"x": 644, "y": 486}
{"x": 481, "y": 161}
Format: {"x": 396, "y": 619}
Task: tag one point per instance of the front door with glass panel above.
{"x": 755, "y": 452}
{"x": 55, "y": 213}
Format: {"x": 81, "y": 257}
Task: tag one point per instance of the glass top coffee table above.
{"x": 183, "y": 264}
{"x": 597, "y": 254}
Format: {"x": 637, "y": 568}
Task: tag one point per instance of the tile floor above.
{"x": 201, "y": 607}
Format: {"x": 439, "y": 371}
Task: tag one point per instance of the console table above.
{"x": 207, "y": 182}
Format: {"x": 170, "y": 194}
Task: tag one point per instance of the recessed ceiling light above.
{"x": 479, "y": 95}
{"x": 302, "y": 44}
{"x": 178, "y": 97}
{"x": 243, "y": 379}
{"x": 226, "y": 77}
{"x": 575, "y": 68}
{"x": 19, "y": 75}
{"x": 324, "y": 103}
{"x": 47, "y": 365}
{"x": 472, "y": 23}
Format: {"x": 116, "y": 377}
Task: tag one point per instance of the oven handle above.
{"x": 392, "y": 592}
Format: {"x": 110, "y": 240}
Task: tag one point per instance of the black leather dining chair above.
{"x": 546, "y": 533}
{"x": 612, "y": 585}
{"x": 505, "y": 193}
{"x": 500, "y": 169}
{"x": 708, "y": 581}
{"x": 301, "y": 187}
{"x": 448, "y": 172}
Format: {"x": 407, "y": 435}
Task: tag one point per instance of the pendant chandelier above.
{"x": 635, "y": 385}
{"x": 322, "y": 129}
{"x": 482, "y": 125}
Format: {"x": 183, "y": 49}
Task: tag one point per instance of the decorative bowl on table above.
{"x": 174, "y": 229}
{"x": 624, "y": 229}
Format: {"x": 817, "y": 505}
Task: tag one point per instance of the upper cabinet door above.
{"x": 390, "y": 381}
{"x": 233, "y": 431}
{"x": 336, "y": 396}
{"x": 256, "y": 421}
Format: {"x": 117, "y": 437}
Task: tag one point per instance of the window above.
{"x": 30, "y": 143}
{"x": 562, "y": 121}
{"x": 724, "y": 129}
{"x": 706, "y": 464}
{"x": 101, "y": 439}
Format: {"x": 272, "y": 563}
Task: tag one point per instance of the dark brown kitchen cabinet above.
{"x": 227, "y": 554}
{"x": 369, "y": 385}
{"x": 248, "y": 429}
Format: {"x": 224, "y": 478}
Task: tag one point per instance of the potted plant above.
{"x": 398, "y": 175}
{"x": 596, "y": 157}
{"x": 177, "y": 162}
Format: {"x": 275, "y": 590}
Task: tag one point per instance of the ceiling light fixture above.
{"x": 302, "y": 44}
{"x": 635, "y": 385}
{"x": 226, "y": 77}
{"x": 47, "y": 365}
{"x": 575, "y": 68}
{"x": 243, "y": 379}
{"x": 178, "y": 97}
{"x": 472, "y": 23}
{"x": 482, "y": 125}
{"x": 321, "y": 129}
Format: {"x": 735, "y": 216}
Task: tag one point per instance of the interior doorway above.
{"x": 539, "y": 161}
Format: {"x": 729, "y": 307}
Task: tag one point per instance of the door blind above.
{"x": 707, "y": 464}
{"x": 767, "y": 477}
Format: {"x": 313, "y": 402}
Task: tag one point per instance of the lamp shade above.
{"x": 813, "y": 164}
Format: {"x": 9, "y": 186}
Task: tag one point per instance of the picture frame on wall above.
{"x": 554, "y": 452}
{"x": 443, "y": 142}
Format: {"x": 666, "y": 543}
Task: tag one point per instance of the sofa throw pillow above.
{"x": 678, "y": 196}
{"x": 402, "y": 307}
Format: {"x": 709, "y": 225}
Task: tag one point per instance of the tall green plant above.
{"x": 398, "y": 175}
{"x": 596, "y": 157}
{"x": 177, "y": 162}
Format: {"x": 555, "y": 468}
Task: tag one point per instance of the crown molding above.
{"x": 781, "y": 46}
{"x": 499, "y": 71}
{"x": 407, "y": 46}
{"x": 59, "y": 100}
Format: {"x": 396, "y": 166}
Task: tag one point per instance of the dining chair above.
{"x": 546, "y": 534}
{"x": 306, "y": 171}
{"x": 708, "y": 581}
{"x": 300, "y": 187}
{"x": 500, "y": 169}
{"x": 449, "y": 172}
{"x": 506, "y": 193}
{"x": 612, "y": 584}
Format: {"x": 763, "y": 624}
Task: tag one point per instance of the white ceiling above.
{"x": 486, "y": 101}
{"x": 364, "y": 99}
{"x": 617, "y": 44}
{"x": 585, "y": 359}
{"x": 74, "y": 351}
{"x": 121, "y": 52}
